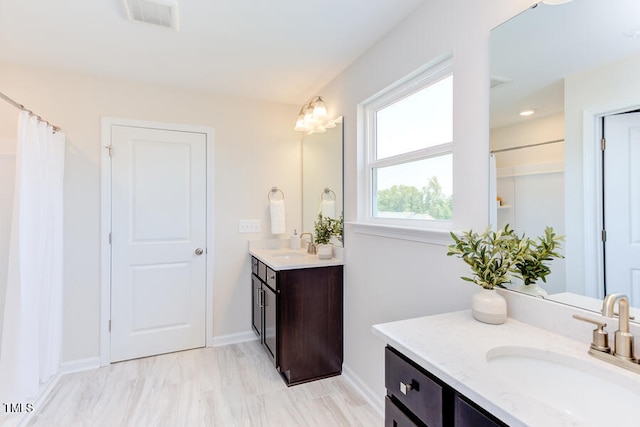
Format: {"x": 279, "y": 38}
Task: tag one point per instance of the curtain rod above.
{"x": 23, "y": 108}
{"x": 526, "y": 146}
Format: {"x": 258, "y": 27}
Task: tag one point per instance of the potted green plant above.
{"x": 534, "y": 263}
{"x": 326, "y": 228}
{"x": 491, "y": 256}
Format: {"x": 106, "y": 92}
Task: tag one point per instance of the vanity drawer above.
{"x": 262, "y": 271}
{"x": 254, "y": 265}
{"x": 411, "y": 386}
{"x": 271, "y": 278}
{"x": 394, "y": 417}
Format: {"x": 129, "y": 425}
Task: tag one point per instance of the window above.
{"x": 408, "y": 142}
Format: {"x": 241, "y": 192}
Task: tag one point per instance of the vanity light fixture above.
{"x": 527, "y": 113}
{"x": 313, "y": 117}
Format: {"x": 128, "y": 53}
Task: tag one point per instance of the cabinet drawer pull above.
{"x": 404, "y": 388}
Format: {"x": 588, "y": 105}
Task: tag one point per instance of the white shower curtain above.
{"x": 30, "y": 349}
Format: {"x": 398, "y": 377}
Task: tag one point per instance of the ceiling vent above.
{"x": 157, "y": 12}
{"x": 497, "y": 81}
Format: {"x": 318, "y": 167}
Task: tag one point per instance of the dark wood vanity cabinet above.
{"x": 416, "y": 398}
{"x": 297, "y": 314}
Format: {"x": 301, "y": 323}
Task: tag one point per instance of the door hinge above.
{"x": 604, "y": 235}
{"x": 110, "y": 148}
{"x": 603, "y": 144}
{"x": 109, "y": 325}
{"x": 109, "y": 237}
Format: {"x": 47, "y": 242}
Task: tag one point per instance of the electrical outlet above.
{"x": 249, "y": 226}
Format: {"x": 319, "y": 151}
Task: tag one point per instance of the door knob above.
{"x": 199, "y": 251}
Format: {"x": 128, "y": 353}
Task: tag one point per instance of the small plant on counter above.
{"x": 544, "y": 248}
{"x": 327, "y": 227}
{"x": 491, "y": 255}
{"x": 338, "y": 228}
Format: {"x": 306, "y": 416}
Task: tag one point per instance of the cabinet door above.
{"x": 467, "y": 415}
{"x": 256, "y": 309}
{"x": 269, "y": 302}
{"x": 310, "y": 323}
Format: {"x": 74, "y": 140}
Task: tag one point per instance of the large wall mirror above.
{"x": 322, "y": 176}
{"x": 576, "y": 66}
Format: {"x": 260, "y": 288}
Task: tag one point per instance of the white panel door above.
{"x": 158, "y": 241}
{"x": 622, "y": 205}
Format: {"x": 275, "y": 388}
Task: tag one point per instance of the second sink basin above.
{"x": 581, "y": 390}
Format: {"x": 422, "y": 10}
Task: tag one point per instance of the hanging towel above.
{"x": 328, "y": 208}
{"x": 276, "y": 208}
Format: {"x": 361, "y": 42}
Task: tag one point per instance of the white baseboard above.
{"x": 80, "y": 365}
{"x": 376, "y": 400}
{"x": 234, "y": 338}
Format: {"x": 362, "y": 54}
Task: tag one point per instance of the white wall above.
{"x": 388, "y": 279}
{"x": 249, "y": 159}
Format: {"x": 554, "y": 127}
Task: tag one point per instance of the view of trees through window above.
{"x": 410, "y": 156}
{"x": 407, "y": 201}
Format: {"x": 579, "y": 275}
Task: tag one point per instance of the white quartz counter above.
{"x": 454, "y": 346}
{"x": 278, "y": 256}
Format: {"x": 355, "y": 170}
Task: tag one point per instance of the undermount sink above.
{"x": 289, "y": 255}
{"x": 581, "y": 390}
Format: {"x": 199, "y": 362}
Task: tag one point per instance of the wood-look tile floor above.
{"x": 234, "y": 385}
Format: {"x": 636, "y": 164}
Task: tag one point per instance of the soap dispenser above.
{"x": 295, "y": 240}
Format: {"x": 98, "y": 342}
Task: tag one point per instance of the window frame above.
{"x": 434, "y": 231}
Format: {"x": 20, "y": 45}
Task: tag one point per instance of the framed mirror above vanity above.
{"x": 322, "y": 176}
{"x": 576, "y": 68}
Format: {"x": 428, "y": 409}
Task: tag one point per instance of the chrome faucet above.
{"x": 311, "y": 247}
{"x": 624, "y": 340}
{"x": 622, "y": 352}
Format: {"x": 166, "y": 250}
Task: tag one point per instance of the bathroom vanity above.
{"x": 416, "y": 397}
{"x": 451, "y": 370}
{"x": 297, "y": 306}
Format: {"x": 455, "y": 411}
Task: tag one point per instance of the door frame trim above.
{"x": 105, "y": 225}
{"x": 592, "y": 200}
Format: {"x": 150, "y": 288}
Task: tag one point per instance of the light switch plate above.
{"x": 249, "y": 226}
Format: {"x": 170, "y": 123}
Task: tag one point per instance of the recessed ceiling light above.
{"x": 526, "y": 113}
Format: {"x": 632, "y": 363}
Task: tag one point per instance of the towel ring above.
{"x": 275, "y": 190}
{"x": 329, "y": 193}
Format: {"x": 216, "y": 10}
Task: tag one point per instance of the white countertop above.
{"x": 454, "y": 346}
{"x": 275, "y": 255}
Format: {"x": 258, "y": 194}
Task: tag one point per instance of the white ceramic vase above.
{"x": 488, "y": 306}
{"x": 325, "y": 251}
